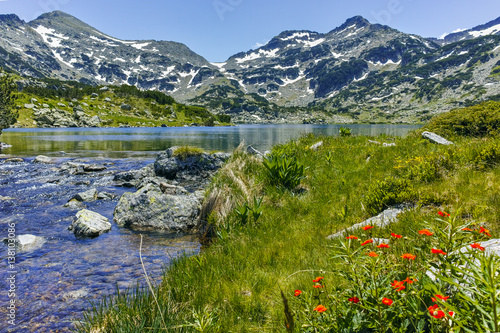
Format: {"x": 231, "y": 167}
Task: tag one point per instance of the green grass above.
{"x": 236, "y": 281}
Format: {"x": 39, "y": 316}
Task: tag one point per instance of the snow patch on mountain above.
{"x": 140, "y": 46}
{"x": 296, "y": 35}
{"x": 50, "y": 36}
{"x": 257, "y": 55}
{"x": 490, "y": 31}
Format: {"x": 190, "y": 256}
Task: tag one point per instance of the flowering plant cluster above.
{"x": 439, "y": 280}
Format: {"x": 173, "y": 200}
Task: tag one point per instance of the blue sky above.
{"x": 217, "y": 29}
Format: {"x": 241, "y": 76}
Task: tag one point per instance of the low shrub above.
{"x": 388, "y": 192}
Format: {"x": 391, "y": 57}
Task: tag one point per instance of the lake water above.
{"x": 127, "y": 142}
{"x": 55, "y": 283}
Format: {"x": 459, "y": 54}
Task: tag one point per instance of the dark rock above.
{"x": 94, "y": 168}
{"x": 89, "y": 224}
{"x": 252, "y": 151}
{"x": 126, "y": 107}
{"x": 132, "y": 177}
{"x": 150, "y": 209}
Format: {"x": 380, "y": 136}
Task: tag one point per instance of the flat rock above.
{"x": 433, "y": 137}
{"x": 316, "y": 146}
{"x": 89, "y": 224}
{"x": 42, "y": 159}
{"x": 87, "y": 196}
{"x": 383, "y": 219}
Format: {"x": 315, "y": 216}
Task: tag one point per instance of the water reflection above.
{"x": 121, "y": 142}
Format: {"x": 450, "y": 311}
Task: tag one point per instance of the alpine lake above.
{"x": 57, "y": 280}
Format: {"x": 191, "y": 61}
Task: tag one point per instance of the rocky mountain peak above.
{"x": 354, "y": 22}
{"x": 11, "y": 20}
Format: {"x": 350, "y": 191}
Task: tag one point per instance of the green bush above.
{"x": 475, "y": 121}
{"x": 7, "y": 97}
{"x": 489, "y": 155}
{"x": 386, "y": 193}
{"x": 344, "y": 131}
{"x": 284, "y": 172}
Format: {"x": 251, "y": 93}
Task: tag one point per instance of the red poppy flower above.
{"x": 367, "y": 242}
{"x": 467, "y": 229}
{"x": 318, "y": 286}
{"x": 408, "y": 280}
{"x": 398, "y": 285}
{"x": 319, "y": 278}
{"x": 351, "y": 237}
{"x": 477, "y": 246}
{"x": 443, "y": 214}
{"x": 435, "y": 312}
{"x": 438, "y": 251}
{"x": 408, "y": 256}
{"x": 372, "y": 254}
{"x": 320, "y": 308}
{"x": 395, "y": 235}
{"x": 383, "y": 245}
{"x": 426, "y": 232}
{"x": 484, "y": 231}
{"x": 297, "y": 293}
{"x": 354, "y": 299}
{"x": 441, "y": 297}
{"x": 367, "y": 227}
{"x": 387, "y": 301}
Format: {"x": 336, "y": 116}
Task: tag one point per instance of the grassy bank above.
{"x": 269, "y": 238}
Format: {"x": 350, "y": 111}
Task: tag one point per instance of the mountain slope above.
{"x": 356, "y": 72}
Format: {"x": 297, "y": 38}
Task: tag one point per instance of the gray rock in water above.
{"x": 4, "y": 146}
{"x": 383, "y": 219}
{"x": 150, "y": 209}
{"x": 94, "y": 168}
{"x": 89, "y": 224}
{"x": 132, "y": 177}
{"x": 25, "y": 243}
{"x": 433, "y": 137}
{"x": 74, "y": 204}
{"x": 14, "y": 160}
{"x": 87, "y": 196}
{"x": 105, "y": 196}
{"x": 42, "y": 159}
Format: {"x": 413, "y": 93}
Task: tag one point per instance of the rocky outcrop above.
{"x": 89, "y": 224}
{"x": 150, "y": 209}
{"x": 433, "y": 137}
{"x": 47, "y": 117}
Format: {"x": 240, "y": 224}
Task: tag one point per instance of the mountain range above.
{"x": 357, "y": 72}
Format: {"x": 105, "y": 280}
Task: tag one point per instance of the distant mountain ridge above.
{"x": 356, "y": 72}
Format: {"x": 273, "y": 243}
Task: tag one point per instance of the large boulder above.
{"x": 89, "y": 224}
{"x": 197, "y": 165}
{"x": 150, "y": 209}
